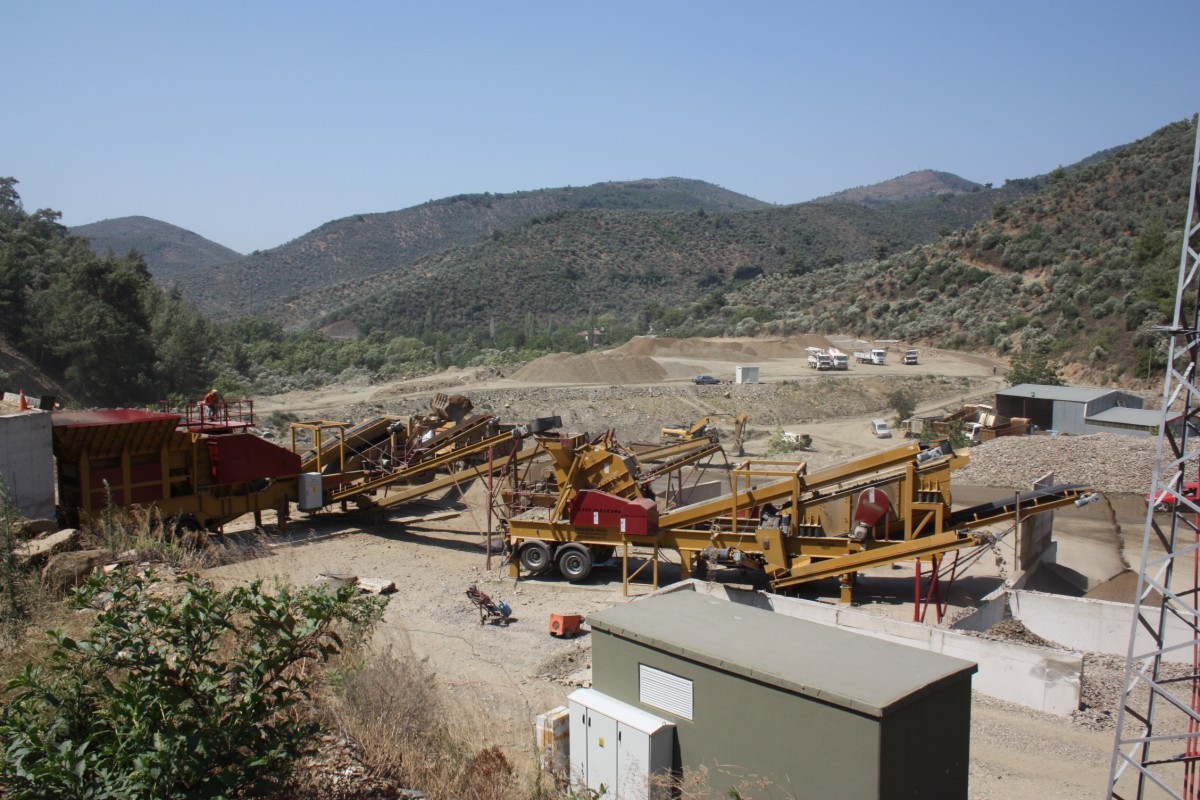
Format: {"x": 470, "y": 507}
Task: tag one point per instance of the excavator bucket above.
{"x": 452, "y": 407}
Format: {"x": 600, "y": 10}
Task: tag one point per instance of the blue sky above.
{"x": 252, "y": 123}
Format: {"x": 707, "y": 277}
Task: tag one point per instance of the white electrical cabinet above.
{"x": 310, "y": 491}
{"x": 745, "y": 374}
{"x": 617, "y": 746}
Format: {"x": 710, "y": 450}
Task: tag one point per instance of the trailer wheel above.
{"x": 602, "y": 554}
{"x": 575, "y": 562}
{"x": 187, "y": 532}
{"x": 534, "y": 557}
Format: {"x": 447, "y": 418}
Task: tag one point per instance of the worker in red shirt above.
{"x": 212, "y": 402}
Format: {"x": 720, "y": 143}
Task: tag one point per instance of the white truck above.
{"x": 876, "y": 356}
{"x": 840, "y": 360}
{"x": 910, "y": 357}
{"x": 819, "y": 360}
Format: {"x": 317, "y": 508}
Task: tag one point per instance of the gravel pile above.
{"x": 638, "y": 412}
{"x": 591, "y": 368}
{"x": 722, "y": 350}
{"x": 1109, "y": 462}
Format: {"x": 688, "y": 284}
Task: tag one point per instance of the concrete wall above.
{"x": 27, "y": 462}
{"x": 1034, "y": 533}
{"x": 1097, "y": 626}
{"x": 989, "y": 611}
{"x": 1040, "y": 678}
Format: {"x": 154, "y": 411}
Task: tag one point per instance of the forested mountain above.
{"x": 568, "y": 265}
{"x": 169, "y": 251}
{"x": 97, "y": 323}
{"x": 1076, "y": 266}
{"x": 913, "y": 186}
{"x": 1077, "y": 272}
{"x": 350, "y": 249}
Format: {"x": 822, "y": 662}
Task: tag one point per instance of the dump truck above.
{"x": 977, "y": 423}
{"x": 910, "y": 357}
{"x": 819, "y": 359}
{"x": 917, "y": 426}
{"x": 877, "y": 356}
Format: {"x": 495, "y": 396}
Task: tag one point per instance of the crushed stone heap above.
{"x": 1109, "y": 462}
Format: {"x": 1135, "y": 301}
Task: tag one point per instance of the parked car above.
{"x": 1165, "y": 501}
{"x": 705, "y": 379}
{"x": 880, "y": 429}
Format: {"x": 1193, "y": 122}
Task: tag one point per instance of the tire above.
{"x": 535, "y": 557}
{"x": 602, "y": 554}
{"x": 575, "y": 562}
{"x": 1162, "y": 507}
{"x": 187, "y": 532}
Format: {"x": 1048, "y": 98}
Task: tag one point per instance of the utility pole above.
{"x": 1158, "y": 721}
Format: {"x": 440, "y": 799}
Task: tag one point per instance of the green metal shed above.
{"x": 759, "y": 698}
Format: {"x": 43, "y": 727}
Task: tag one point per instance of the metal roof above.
{"x": 637, "y": 718}
{"x": 1071, "y": 394}
{"x": 1146, "y": 417}
{"x": 856, "y": 672}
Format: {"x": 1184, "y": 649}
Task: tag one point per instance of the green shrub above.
{"x": 903, "y": 402}
{"x": 176, "y": 691}
{"x": 782, "y": 442}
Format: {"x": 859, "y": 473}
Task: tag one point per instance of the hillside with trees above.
{"x": 98, "y": 324}
{"x": 913, "y": 186}
{"x": 349, "y": 250}
{"x": 564, "y": 267}
{"x": 169, "y": 251}
{"x": 1071, "y": 268}
{"x": 1077, "y": 272}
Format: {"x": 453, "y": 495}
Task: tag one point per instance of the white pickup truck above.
{"x": 876, "y": 356}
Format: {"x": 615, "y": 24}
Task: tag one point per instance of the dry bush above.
{"x": 410, "y": 731}
{"x": 696, "y": 784}
{"x": 145, "y": 534}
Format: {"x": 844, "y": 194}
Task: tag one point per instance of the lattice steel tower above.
{"x": 1156, "y": 752}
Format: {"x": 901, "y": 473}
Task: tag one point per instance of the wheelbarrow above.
{"x": 497, "y": 613}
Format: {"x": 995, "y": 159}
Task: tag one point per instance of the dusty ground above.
{"x": 512, "y": 673}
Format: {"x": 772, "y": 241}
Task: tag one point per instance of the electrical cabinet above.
{"x": 617, "y": 746}
{"x": 310, "y": 490}
{"x": 745, "y": 374}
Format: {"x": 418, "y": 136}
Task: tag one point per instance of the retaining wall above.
{"x": 27, "y": 462}
{"x": 1097, "y": 626}
{"x": 1040, "y": 678}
